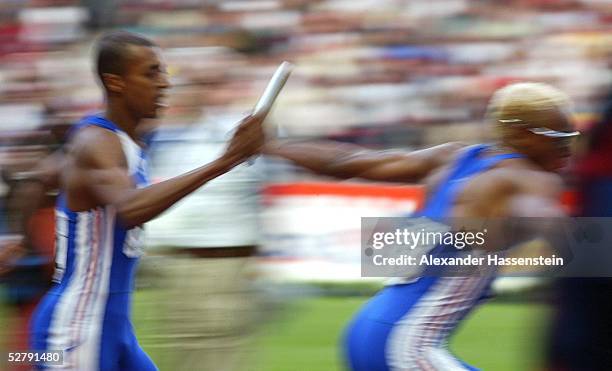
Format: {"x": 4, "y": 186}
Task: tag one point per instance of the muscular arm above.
{"x": 542, "y": 227}
{"x": 535, "y": 195}
{"x": 101, "y": 177}
{"x": 532, "y": 212}
{"x": 349, "y": 161}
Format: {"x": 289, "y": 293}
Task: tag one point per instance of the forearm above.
{"x": 142, "y": 205}
{"x": 327, "y": 158}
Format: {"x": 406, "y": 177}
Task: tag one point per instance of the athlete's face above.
{"x": 546, "y": 140}
{"x": 145, "y": 82}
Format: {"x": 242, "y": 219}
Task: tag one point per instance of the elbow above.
{"x": 336, "y": 172}
{"x": 132, "y": 210}
{"x": 129, "y": 217}
{"x": 127, "y": 221}
{"x": 338, "y": 168}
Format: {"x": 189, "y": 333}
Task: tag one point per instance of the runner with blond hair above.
{"x": 406, "y": 326}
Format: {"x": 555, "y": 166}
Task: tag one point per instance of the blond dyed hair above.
{"x": 532, "y": 102}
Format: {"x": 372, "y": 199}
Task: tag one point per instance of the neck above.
{"x": 508, "y": 148}
{"x": 118, "y": 114}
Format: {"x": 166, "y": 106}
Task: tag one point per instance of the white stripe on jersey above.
{"x": 131, "y": 152}
{"x": 417, "y": 340}
{"x": 82, "y": 318}
{"x": 62, "y": 327}
{"x": 61, "y": 245}
{"x": 77, "y": 321}
{"x": 89, "y": 354}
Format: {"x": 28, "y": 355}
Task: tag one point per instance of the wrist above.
{"x": 228, "y": 161}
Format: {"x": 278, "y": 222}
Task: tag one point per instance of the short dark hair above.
{"x": 111, "y": 51}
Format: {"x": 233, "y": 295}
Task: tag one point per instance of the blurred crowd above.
{"x": 385, "y": 73}
{"x": 420, "y": 70}
{"x": 381, "y": 73}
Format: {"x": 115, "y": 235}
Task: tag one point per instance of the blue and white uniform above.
{"x": 86, "y": 312}
{"x": 407, "y": 326}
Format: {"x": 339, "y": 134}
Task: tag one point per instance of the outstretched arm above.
{"x": 101, "y": 176}
{"x": 350, "y": 161}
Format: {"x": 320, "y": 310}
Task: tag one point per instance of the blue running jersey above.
{"x": 406, "y": 326}
{"x": 86, "y": 312}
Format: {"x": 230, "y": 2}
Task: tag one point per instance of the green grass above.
{"x": 496, "y": 337}
{"x": 305, "y": 334}
{"x": 504, "y": 337}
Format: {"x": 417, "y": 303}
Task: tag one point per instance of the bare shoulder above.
{"x": 95, "y": 157}
{"x": 94, "y": 147}
{"x": 517, "y": 176}
{"x": 514, "y": 188}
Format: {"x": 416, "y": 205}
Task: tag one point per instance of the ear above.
{"x": 113, "y": 83}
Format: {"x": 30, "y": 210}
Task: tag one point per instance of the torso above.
{"x": 85, "y": 229}
{"x": 486, "y": 194}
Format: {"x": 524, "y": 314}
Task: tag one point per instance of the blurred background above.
{"x": 383, "y": 74}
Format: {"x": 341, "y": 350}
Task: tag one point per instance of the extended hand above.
{"x": 247, "y": 140}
